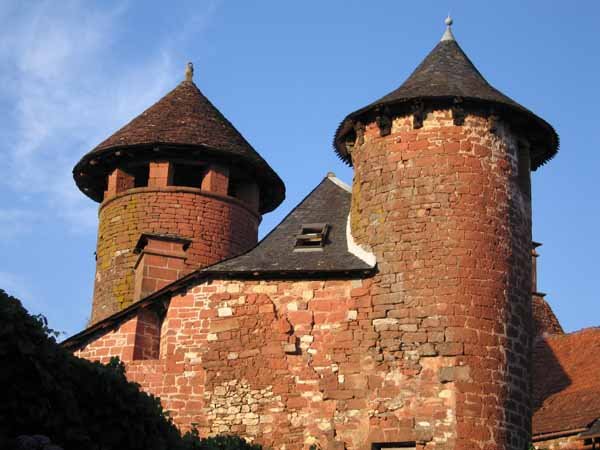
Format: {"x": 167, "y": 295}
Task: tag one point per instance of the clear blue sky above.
{"x": 285, "y": 73}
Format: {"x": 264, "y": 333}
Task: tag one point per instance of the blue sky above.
{"x": 285, "y": 73}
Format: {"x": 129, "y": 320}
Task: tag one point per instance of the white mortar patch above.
{"x": 356, "y": 249}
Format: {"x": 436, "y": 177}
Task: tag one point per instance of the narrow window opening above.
{"x": 312, "y": 237}
{"x": 140, "y": 175}
{"x": 394, "y": 446}
{"x": 188, "y": 175}
{"x": 245, "y": 190}
{"x": 233, "y": 189}
{"x": 239, "y": 180}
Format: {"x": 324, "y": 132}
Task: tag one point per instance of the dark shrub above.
{"x": 78, "y": 404}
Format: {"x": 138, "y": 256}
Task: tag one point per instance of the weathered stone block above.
{"x": 456, "y": 373}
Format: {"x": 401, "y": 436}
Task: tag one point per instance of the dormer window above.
{"x": 312, "y": 237}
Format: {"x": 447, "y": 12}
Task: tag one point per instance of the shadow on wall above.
{"x": 533, "y": 371}
{"x": 548, "y": 375}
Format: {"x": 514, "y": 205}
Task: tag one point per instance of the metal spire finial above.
{"x": 448, "y": 36}
{"x": 189, "y": 72}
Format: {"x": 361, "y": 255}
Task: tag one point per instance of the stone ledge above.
{"x": 179, "y": 189}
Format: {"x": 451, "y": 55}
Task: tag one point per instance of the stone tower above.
{"x": 179, "y": 188}
{"x": 441, "y": 195}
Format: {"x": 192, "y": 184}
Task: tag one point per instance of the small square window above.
{"x": 312, "y": 237}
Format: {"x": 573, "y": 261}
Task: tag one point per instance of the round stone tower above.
{"x": 179, "y": 189}
{"x": 441, "y": 195}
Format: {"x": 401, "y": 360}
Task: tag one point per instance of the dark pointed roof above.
{"x": 183, "y": 116}
{"x": 446, "y": 74}
{"x": 184, "y": 119}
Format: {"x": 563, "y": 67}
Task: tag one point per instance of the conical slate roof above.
{"x": 184, "y": 122}
{"x": 446, "y": 74}
{"x": 183, "y": 116}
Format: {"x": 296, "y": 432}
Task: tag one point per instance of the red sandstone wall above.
{"x": 433, "y": 350}
{"x": 446, "y": 210}
{"x": 218, "y": 226}
{"x": 289, "y": 364}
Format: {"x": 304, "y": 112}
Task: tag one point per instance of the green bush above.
{"x": 78, "y": 404}
{"x": 217, "y": 443}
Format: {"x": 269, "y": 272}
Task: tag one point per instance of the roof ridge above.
{"x": 593, "y": 328}
{"x": 174, "y": 107}
{"x": 345, "y": 186}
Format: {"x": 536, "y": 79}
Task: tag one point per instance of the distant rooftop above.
{"x": 566, "y": 382}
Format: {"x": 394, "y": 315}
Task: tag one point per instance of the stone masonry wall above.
{"x": 432, "y": 351}
{"x": 290, "y": 364}
{"x": 446, "y": 210}
{"x": 218, "y": 226}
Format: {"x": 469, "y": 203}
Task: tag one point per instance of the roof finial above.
{"x": 189, "y": 71}
{"x": 448, "y": 36}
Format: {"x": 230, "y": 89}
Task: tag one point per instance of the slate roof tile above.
{"x": 184, "y": 118}
{"x": 327, "y": 203}
{"x": 446, "y": 74}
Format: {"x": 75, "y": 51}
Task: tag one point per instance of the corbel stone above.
{"x": 118, "y": 181}
{"x": 216, "y": 179}
{"x": 160, "y": 174}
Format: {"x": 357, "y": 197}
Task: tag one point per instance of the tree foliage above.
{"x": 78, "y": 404}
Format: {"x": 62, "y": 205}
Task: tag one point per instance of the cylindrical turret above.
{"x": 441, "y": 196}
{"x": 180, "y": 189}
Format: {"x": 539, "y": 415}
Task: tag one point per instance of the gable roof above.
{"x": 328, "y": 203}
{"x": 447, "y": 74}
{"x": 566, "y": 382}
{"x": 184, "y": 120}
